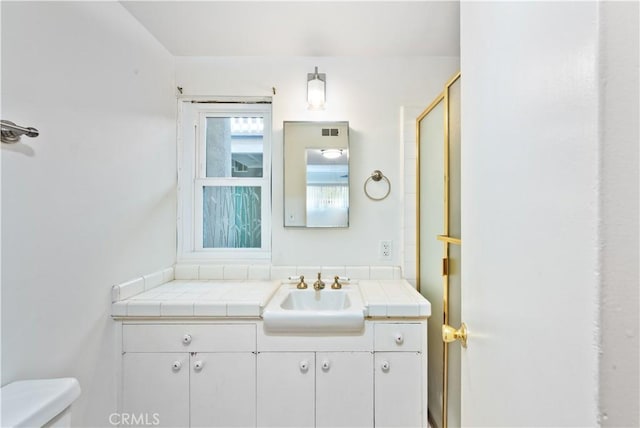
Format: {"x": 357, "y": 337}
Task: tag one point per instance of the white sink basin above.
{"x": 323, "y": 311}
{"x": 303, "y": 300}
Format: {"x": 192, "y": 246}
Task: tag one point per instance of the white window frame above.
{"x": 192, "y": 178}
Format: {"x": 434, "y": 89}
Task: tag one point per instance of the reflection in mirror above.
{"x": 327, "y": 188}
{"x": 316, "y": 174}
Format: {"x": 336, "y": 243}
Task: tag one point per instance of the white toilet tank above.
{"x": 39, "y": 403}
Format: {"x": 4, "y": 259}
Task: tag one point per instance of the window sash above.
{"x": 202, "y": 139}
{"x": 199, "y": 218}
{"x": 192, "y": 180}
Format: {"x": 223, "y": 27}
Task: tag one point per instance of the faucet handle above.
{"x": 336, "y": 285}
{"x": 301, "y": 285}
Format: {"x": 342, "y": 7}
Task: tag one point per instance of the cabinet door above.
{"x": 155, "y": 389}
{"x": 344, "y": 389}
{"x": 286, "y": 389}
{"x": 399, "y": 385}
{"x": 223, "y": 390}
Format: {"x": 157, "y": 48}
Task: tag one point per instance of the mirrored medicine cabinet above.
{"x": 316, "y": 174}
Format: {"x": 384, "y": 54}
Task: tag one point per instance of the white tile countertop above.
{"x": 246, "y": 298}
{"x": 198, "y": 298}
{"x": 393, "y": 298}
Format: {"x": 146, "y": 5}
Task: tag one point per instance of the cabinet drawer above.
{"x": 399, "y": 337}
{"x": 189, "y": 338}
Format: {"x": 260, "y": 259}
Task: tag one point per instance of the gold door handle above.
{"x": 450, "y": 334}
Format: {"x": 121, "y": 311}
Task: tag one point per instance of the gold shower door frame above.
{"x": 446, "y": 239}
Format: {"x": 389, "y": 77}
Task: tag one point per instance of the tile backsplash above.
{"x": 267, "y": 272}
{"x": 135, "y": 286}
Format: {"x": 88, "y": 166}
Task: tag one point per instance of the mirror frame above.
{"x": 295, "y": 177}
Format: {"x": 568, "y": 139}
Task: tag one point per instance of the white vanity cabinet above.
{"x": 400, "y": 371}
{"x": 155, "y": 387}
{"x": 344, "y": 389}
{"x": 223, "y": 389}
{"x": 198, "y": 375}
{"x": 286, "y": 389}
{"x": 395, "y": 377}
{"x": 226, "y": 374}
{"x": 315, "y": 389}
{"x": 210, "y": 362}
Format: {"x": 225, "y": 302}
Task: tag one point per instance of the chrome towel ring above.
{"x": 376, "y": 176}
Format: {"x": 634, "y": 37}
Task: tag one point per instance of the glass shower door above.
{"x": 439, "y": 241}
{"x": 430, "y": 225}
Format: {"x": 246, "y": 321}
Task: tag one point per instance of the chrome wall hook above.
{"x": 11, "y": 132}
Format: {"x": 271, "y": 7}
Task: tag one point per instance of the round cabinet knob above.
{"x": 398, "y": 338}
{"x": 176, "y": 366}
{"x": 197, "y": 365}
{"x": 186, "y": 339}
{"x": 326, "y": 365}
{"x": 304, "y": 365}
{"x": 385, "y": 366}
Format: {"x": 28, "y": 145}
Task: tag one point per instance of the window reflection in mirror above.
{"x": 327, "y": 188}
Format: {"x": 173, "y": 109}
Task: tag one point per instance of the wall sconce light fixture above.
{"x": 316, "y": 90}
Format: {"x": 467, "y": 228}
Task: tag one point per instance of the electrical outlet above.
{"x": 386, "y": 248}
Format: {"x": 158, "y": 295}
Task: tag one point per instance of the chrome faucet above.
{"x": 318, "y": 285}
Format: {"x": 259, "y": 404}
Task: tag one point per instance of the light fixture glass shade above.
{"x": 331, "y": 153}
{"x": 316, "y": 90}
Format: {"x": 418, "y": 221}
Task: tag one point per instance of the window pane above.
{"x": 231, "y": 217}
{"x": 328, "y": 206}
{"x": 234, "y": 146}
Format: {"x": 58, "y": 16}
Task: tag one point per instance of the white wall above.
{"x": 410, "y": 227}
{"x": 530, "y": 177}
{"x": 619, "y": 328}
{"x": 367, "y": 92}
{"x": 91, "y": 202}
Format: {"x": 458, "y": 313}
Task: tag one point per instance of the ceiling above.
{"x": 302, "y": 28}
